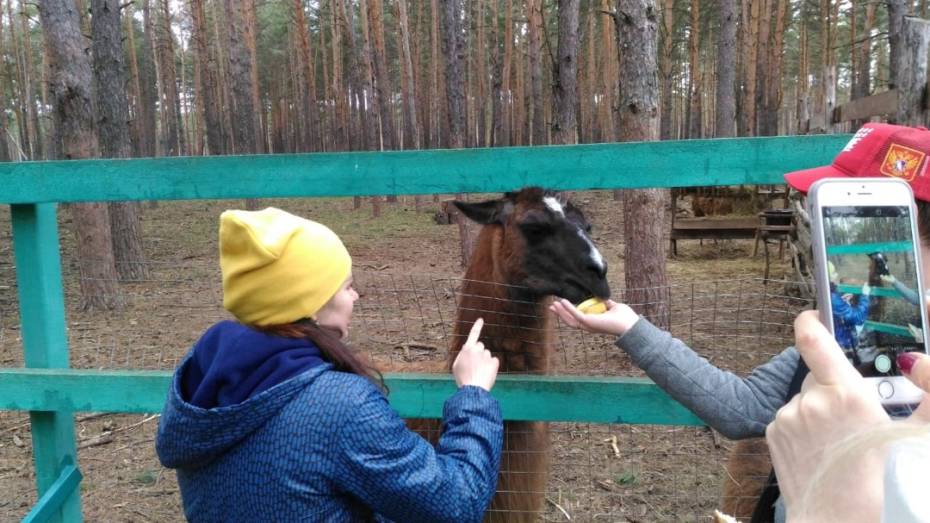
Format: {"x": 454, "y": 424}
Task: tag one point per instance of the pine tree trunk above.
{"x": 147, "y": 79}
{"x": 586, "y": 83}
{"x": 21, "y": 107}
{"x": 31, "y": 114}
{"x": 803, "y": 86}
{"x": 565, "y": 87}
{"x": 356, "y": 71}
{"x": 453, "y": 49}
{"x": 507, "y": 101}
{"x": 773, "y": 87}
{"x": 73, "y": 110}
{"x": 382, "y": 77}
{"x": 695, "y": 129}
{"x": 171, "y": 119}
{"x": 666, "y": 126}
{"x": 645, "y": 222}
{"x": 725, "y": 111}
{"x": 750, "y": 67}
{"x": 330, "y": 136}
{"x": 212, "y": 117}
{"x": 240, "y": 74}
{"x": 897, "y": 10}
{"x": 411, "y": 122}
{"x": 5, "y": 87}
{"x": 537, "y": 105}
{"x": 340, "y": 118}
{"x": 224, "y": 89}
{"x": 245, "y": 135}
{"x": 113, "y": 133}
{"x": 308, "y": 125}
{"x": 251, "y": 35}
{"x": 609, "y": 80}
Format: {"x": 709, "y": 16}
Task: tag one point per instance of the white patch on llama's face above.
{"x": 595, "y": 254}
{"x": 554, "y": 204}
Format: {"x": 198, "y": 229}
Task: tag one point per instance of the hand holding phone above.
{"x": 868, "y": 275}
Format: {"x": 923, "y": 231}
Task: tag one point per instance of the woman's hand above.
{"x": 474, "y": 364}
{"x": 835, "y": 402}
{"x": 618, "y": 318}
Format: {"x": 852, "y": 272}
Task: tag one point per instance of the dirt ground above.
{"x": 407, "y": 273}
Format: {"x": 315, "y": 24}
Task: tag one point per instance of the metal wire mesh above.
{"x": 405, "y": 321}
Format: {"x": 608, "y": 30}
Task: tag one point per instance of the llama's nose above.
{"x": 600, "y": 269}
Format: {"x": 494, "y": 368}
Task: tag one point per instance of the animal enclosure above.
{"x": 616, "y": 450}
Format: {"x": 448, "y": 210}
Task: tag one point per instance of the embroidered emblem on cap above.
{"x": 902, "y": 162}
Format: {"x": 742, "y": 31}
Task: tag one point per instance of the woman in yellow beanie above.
{"x": 273, "y": 418}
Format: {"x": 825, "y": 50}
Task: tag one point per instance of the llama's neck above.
{"x": 517, "y": 329}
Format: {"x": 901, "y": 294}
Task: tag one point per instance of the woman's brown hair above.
{"x": 331, "y": 346}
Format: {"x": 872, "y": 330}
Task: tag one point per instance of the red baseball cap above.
{"x": 877, "y": 149}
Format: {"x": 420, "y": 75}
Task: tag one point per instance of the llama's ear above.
{"x": 485, "y": 213}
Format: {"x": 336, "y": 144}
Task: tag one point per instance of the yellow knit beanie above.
{"x": 278, "y": 268}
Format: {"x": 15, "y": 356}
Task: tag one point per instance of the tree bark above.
{"x": 725, "y": 113}
{"x": 382, "y": 77}
{"x": 453, "y": 50}
{"x": 666, "y": 127}
{"x": 251, "y": 35}
{"x": 33, "y": 131}
{"x": 73, "y": 110}
{"x": 410, "y": 119}
{"x": 773, "y": 87}
{"x": 340, "y": 118}
{"x": 240, "y": 73}
{"x": 172, "y": 139}
{"x": 212, "y": 113}
{"x": 383, "y": 87}
{"x": 537, "y": 107}
{"x": 645, "y": 221}
{"x": 897, "y": 10}
{"x": 609, "y": 80}
{"x": 565, "y": 87}
{"x": 113, "y": 133}
{"x": 695, "y": 129}
{"x": 507, "y": 101}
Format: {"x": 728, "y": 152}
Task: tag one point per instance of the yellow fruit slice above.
{"x": 593, "y": 306}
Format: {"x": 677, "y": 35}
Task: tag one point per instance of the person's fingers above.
{"x": 916, "y": 366}
{"x": 564, "y": 315}
{"x": 474, "y": 333}
{"x": 569, "y": 313}
{"x": 820, "y": 351}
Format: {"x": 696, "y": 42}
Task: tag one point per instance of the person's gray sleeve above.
{"x": 737, "y": 407}
{"x": 907, "y": 293}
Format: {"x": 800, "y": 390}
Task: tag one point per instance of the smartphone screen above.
{"x": 875, "y": 301}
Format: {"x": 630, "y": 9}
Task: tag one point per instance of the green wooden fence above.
{"x": 52, "y": 392}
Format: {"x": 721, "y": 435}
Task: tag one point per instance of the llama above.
{"x": 533, "y": 245}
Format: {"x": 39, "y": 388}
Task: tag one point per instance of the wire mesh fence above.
{"x": 405, "y": 321}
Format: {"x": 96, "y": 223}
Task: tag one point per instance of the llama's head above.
{"x": 545, "y": 246}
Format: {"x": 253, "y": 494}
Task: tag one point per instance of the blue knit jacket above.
{"x": 321, "y": 445}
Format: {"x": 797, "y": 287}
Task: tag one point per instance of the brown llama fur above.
{"x": 748, "y": 467}
{"x": 528, "y": 249}
{"x": 519, "y": 333}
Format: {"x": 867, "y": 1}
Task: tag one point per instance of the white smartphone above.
{"x": 868, "y": 274}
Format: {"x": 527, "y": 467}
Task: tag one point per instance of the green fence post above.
{"x": 45, "y": 342}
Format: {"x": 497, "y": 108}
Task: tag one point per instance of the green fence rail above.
{"x": 52, "y": 393}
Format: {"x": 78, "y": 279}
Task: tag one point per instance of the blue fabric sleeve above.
{"x": 849, "y": 314}
{"x": 402, "y": 477}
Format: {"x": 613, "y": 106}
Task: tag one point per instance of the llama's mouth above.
{"x": 576, "y": 291}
